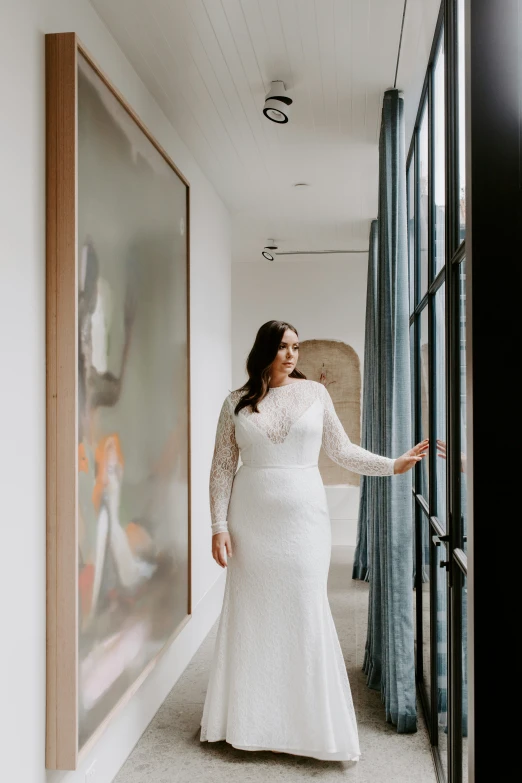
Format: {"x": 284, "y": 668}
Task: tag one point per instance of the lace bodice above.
{"x": 279, "y": 411}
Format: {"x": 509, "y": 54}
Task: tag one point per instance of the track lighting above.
{"x": 277, "y": 103}
{"x": 266, "y": 250}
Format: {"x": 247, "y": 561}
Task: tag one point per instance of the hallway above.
{"x": 170, "y": 750}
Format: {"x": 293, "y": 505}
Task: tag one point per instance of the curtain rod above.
{"x": 400, "y": 43}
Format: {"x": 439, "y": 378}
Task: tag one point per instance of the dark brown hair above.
{"x": 262, "y": 354}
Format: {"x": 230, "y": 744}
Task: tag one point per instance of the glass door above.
{"x": 436, "y": 231}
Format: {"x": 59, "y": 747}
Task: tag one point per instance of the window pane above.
{"x": 440, "y": 403}
{"x": 412, "y": 377}
{"x": 462, "y": 376}
{"x": 438, "y": 155}
{"x": 442, "y": 654}
{"x": 423, "y": 201}
{"x": 425, "y": 401}
{"x": 411, "y": 231}
{"x": 462, "y": 120}
{"x": 464, "y": 649}
{"x": 425, "y": 576}
{"x": 415, "y": 618}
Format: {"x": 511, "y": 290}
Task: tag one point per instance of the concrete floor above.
{"x": 170, "y": 750}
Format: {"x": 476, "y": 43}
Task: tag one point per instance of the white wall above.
{"x": 324, "y": 298}
{"x": 22, "y": 388}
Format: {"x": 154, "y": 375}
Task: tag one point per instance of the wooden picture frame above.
{"x": 64, "y": 750}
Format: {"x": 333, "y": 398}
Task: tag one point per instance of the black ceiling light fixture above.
{"x": 267, "y": 250}
{"x": 277, "y": 103}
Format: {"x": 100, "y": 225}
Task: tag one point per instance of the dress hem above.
{"x": 316, "y": 754}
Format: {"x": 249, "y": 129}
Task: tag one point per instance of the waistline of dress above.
{"x": 279, "y": 467}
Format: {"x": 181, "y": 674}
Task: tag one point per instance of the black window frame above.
{"x": 450, "y": 535}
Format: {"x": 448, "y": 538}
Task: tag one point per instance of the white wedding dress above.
{"x": 278, "y": 679}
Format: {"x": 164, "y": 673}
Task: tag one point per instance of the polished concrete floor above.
{"x": 170, "y": 751}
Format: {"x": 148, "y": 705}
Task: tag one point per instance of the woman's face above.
{"x": 287, "y": 354}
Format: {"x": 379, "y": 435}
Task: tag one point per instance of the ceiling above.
{"x": 209, "y": 65}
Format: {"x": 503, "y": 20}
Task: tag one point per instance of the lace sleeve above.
{"x": 341, "y": 450}
{"x": 224, "y": 465}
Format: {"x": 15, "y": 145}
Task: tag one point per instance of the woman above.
{"x": 278, "y": 679}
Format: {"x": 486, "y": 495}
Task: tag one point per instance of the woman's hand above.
{"x": 220, "y": 543}
{"x": 406, "y": 461}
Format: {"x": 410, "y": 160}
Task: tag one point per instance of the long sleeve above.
{"x": 223, "y": 469}
{"x": 341, "y": 450}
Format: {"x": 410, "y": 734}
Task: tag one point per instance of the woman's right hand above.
{"x": 221, "y": 543}
{"x": 410, "y": 458}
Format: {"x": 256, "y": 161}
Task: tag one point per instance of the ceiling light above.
{"x": 266, "y": 250}
{"x": 277, "y": 103}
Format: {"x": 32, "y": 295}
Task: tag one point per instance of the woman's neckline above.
{"x": 285, "y": 385}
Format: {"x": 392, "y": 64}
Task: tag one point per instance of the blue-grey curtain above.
{"x": 389, "y": 657}
{"x": 361, "y": 569}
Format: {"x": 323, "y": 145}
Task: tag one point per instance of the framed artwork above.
{"x": 118, "y": 391}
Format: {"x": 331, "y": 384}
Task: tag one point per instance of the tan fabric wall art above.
{"x": 337, "y": 366}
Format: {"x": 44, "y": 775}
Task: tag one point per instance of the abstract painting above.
{"x": 122, "y": 364}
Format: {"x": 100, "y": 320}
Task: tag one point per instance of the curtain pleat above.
{"x": 386, "y": 516}
{"x": 361, "y": 565}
